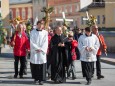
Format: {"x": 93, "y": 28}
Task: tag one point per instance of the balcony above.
{"x": 97, "y": 4}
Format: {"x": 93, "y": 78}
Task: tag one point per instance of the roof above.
{"x": 20, "y": 1}
{"x": 83, "y": 9}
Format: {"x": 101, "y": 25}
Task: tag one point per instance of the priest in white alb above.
{"x": 38, "y": 49}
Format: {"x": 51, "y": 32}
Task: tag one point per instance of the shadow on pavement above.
{"x": 17, "y": 82}
{"x": 31, "y": 82}
{"x": 6, "y": 55}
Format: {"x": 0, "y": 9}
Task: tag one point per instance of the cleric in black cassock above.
{"x": 58, "y": 57}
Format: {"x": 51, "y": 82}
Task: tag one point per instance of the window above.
{"x": 11, "y": 14}
{"x": 82, "y": 21}
{"x": 98, "y": 19}
{"x": 17, "y": 13}
{"x": 23, "y": 13}
{"x": 29, "y": 13}
{"x": 65, "y": 9}
{"x": 103, "y": 19}
{"x": 60, "y": 10}
{"x": 70, "y": 8}
{"x": 77, "y": 7}
{"x": 55, "y": 10}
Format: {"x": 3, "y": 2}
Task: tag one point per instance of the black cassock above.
{"x": 58, "y": 59}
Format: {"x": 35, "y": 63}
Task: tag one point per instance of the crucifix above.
{"x": 64, "y": 29}
{"x": 87, "y": 16}
{"x": 90, "y": 19}
{"x": 64, "y": 19}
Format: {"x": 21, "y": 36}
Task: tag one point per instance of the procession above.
{"x": 52, "y": 52}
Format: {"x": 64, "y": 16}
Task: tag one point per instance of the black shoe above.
{"x": 15, "y": 76}
{"x": 84, "y": 76}
{"x": 25, "y": 73}
{"x": 36, "y": 82}
{"x": 92, "y": 76}
{"x": 49, "y": 76}
{"x": 99, "y": 77}
{"x": 40, "y": 82}
{"x": 56, "y": 82}
{"x": 21, "y": 77}
{"x": 60, "y": 81}
{"x": 73, "y": 78}
{"x": 88, "y": 82}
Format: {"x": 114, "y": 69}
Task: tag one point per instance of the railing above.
{"x": 97, "y": 4}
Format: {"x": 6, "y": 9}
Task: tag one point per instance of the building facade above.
{"x": 37, "y": 7}
{"x": 103, "y": 10}
{"x": 4, "y": 10}
{"x": 110, "y": 14}
{"x": 22, "y": 9}
{"x": 69, "y": 7}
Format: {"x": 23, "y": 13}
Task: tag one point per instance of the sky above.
{"x": 18, "y": 1}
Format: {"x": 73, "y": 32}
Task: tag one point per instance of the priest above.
{"x": 58, "y": 57}
{"x": 38, "y": 46}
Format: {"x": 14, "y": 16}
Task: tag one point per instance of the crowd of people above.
{"x": 54, "y": 53}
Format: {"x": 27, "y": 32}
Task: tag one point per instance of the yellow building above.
{"x": 110, "y": 13}
{"x": 5, "y": 12}
{"x": 104, "y": 12}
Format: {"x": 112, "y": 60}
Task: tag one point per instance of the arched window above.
{"x": 11, "y": 14}
{"x": 17, "y": 12}
{"x": 29, "y": 12}
{"x": 55, "y": 10}
{"x": 70, "y": 8}
{"x": 23, "y": 13}
{"x": 65, "y": 9}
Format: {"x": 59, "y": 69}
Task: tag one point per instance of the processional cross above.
{"x": 91, "y": 20}
{"x": 64, "y": 19}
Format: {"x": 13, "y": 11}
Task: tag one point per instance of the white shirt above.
{"x": 90, "y": 42}
{"x": 38, "y": 40}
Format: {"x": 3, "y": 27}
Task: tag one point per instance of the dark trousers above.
{"x": 88, "y": 69}
{"x": 22, "y": 64}
{"x": 38, "y": 71}
{"x": 82, "y": 68}
{"x": 26, "y": 63}
{"x": 48, "y": 64}
{"x": 71, "y": 69}
{"x": 98, "y": 66}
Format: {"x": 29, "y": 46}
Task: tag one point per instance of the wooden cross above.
{"x": 64, "y": 19}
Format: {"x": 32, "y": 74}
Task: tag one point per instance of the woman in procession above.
{"x": 21, "y": 45}
{"x": 71, "y": 45}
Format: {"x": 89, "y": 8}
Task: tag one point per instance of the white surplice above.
{"x": 90, "y": 42}
{"x": 38, "y": 40}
